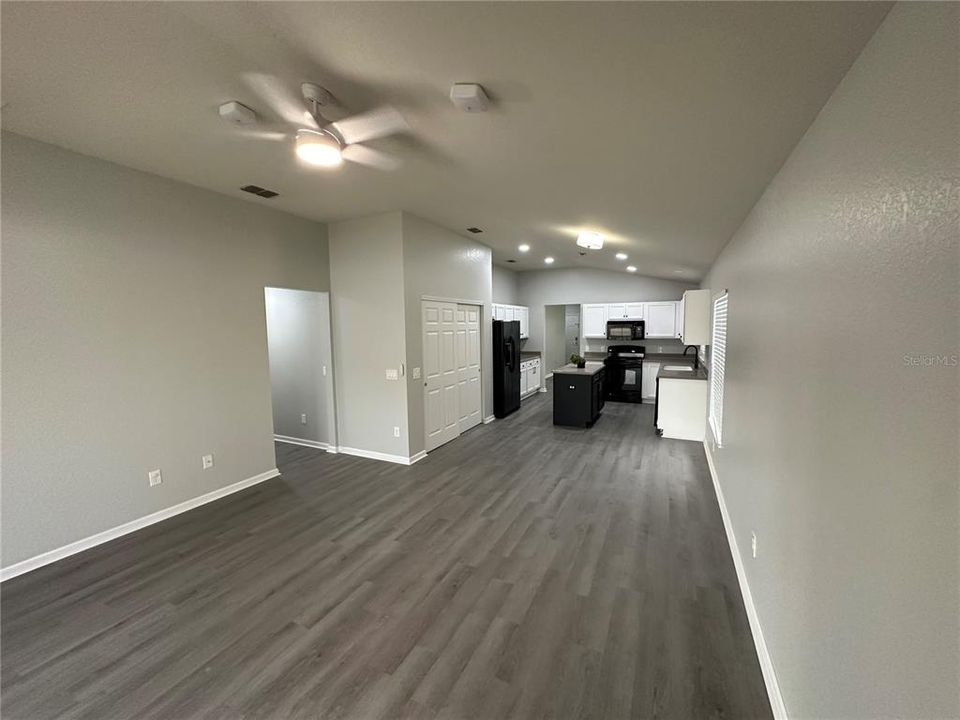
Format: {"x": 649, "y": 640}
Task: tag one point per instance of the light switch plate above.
{"x": 416, "y": 373}
{"x": 154, "y": 477}
{"x": 392, "y": 374}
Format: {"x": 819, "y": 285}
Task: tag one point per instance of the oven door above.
{"x": 624, "y": 381}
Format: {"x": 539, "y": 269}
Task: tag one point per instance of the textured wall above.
{"x": 840, "y": 451}
{"x": 133, "y": 338}
{"x": 366, "y": 275}
{"x": 505, "y": 286}
{"x": 440, "y": 263}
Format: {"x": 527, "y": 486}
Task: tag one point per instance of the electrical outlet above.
{"x": 207, "y": 461}
{"x": 753, "y": 543}
{"x": 154, "y": 477}
{"x": 303, "y": 418}
{"x": 396, "y": 431}
{"x": 416, "y": 373}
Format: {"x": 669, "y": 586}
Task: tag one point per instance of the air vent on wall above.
{"x": 257, "y": 190}
{"x": 474, "y": 230}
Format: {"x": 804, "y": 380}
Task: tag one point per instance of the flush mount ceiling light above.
{"x": 621, "y": 256}
{"x": 590, "y": 240}
{"x": 319, "y": 148}
{"x": 631, "y": 268}
{"x": 548, "y": 260}
{"x": 524, "y": 248}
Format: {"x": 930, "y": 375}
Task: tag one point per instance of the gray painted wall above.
{"x": 840, "y": 452}
{"x": 442, "y": 264}
{"x": 367, "y": 309}
{"x": 505, "y": 286}
{"x": 133, "y": 338}
{"x": 538, "y": 288}
{"x": 555, "y": 341}
{"x": 298, "y": 340}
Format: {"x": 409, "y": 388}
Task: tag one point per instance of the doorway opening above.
{"x": 301, "y": 367}
{"x": 452, "y": 367}
{"x": 561, "y": 335}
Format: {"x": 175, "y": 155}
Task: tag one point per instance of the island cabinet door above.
{"x": 572, "y": 399}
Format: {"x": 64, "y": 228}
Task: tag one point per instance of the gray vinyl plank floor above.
{"x": 521, "y": 571}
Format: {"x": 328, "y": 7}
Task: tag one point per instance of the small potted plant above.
{"x": 578, "y": 360}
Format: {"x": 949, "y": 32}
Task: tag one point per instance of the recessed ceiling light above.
{"x": 631, "y": 268}
{"x": 678, "y": 271}
{"x": 590, "y": 240}
{"x": 474, "y": 230}
{"x": 621, "y": 256}
{"x": 524, "y": 248}
{"x": 548, "y": 260}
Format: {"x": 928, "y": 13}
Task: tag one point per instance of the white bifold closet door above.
{"x": 451, "y": 370}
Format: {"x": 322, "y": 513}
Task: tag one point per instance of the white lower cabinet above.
{"x": 529, "y": 376}
{"x": 682, "y": 409}
{"x": 648, "y": 381}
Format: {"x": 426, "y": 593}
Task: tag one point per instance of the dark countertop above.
{"x": 699, "y": 374}
{"x": 592, "y": 368}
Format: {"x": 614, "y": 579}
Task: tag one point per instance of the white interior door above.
{"x": 440, "y": 373}
{"x": 468, "y": 366}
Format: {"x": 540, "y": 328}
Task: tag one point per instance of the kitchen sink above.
{"x": 678, "y": 368}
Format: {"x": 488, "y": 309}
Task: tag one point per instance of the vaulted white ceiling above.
{"x": 658, "y": 124}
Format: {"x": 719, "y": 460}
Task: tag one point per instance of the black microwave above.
{"x": 625, "y": 330}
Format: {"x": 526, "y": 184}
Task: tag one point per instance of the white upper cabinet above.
{"x": 660, "y": 319}
{"x": 616, "y": 311}
{"x": 594, "y": 321}
{"x": 695, "y": 327}
{"x": 634, "y": 311}
{"x": 523, "y": 315}
{"x": 514, "y": 312}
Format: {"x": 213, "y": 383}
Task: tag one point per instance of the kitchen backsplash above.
{"x": 653, "y": 345}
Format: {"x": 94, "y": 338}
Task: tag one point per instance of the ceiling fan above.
{"x": 319, "y": 139}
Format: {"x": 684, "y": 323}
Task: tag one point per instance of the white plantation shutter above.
{"x": 718, "y": 356}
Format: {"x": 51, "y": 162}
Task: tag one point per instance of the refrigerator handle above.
{"x": 511, "y": 364}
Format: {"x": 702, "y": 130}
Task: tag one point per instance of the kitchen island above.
{"x": 578, "y": 394}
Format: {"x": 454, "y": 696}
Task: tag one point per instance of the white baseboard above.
{"x": 386, "y": 457}
{"x": 766, "y": 662}
{"x": 489, "y": 419}
{"x": 301, "y": 441}
{"x": 418, "y": 457}
{"x": 547, "y": 376}
{"x": 73, "y": 548}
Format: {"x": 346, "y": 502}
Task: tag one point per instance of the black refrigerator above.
{"x": 506, "y": 367}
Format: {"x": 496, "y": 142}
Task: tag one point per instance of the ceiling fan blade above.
{"x": 270, "y": 135}
{"x": 364, "y": 155}
{"x": 281, "y": 99}
{"x": 369, "y": 125}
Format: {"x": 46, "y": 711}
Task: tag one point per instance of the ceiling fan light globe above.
{"x": 318, "y": 149}
{"x": 590, "y": 240}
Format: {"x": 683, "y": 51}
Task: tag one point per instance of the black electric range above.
{"x": 624, "y": 364}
